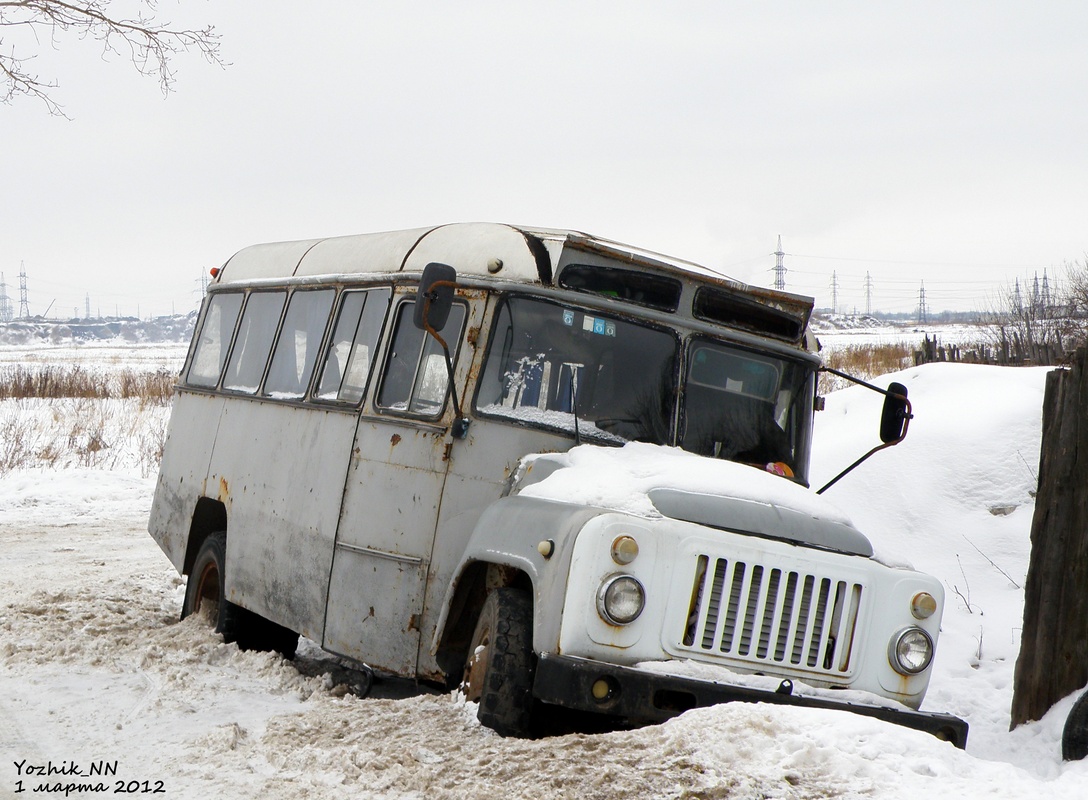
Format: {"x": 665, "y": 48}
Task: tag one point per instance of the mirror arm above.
{"x": 460, "y": 424}
{"x": 835, "y": 480}
{"x": 907, "y": 417}
{"x": 858, "y": 381}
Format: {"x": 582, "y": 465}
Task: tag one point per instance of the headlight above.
{"x": 910, "y": 651}
{"x": 620, "y": 600}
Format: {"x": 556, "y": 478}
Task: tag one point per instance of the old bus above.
{"x": 561, "y": 472}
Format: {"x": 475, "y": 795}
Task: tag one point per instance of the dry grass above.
{"x": 54, "y": 416}
{"x": 72, "y": 381}
{"x": 864, "y": 361}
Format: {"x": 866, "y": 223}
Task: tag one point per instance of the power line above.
{"x": 916, "y": 262}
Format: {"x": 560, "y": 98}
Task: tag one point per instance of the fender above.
{"x": 507, "y": 535}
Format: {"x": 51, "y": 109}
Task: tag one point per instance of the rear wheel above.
{"x": 1075, "y": 734}
{"x": 205, "y": 593}
{"x": 501, "y": 664}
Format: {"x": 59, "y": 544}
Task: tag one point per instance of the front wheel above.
{"x": 501, "y": 664}
{"x": 1075, "y": 733}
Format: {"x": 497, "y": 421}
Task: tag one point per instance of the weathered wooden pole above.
{"x": 1053, "y": 659}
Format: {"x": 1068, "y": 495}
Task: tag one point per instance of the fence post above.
{"x": 1053, "y": 660}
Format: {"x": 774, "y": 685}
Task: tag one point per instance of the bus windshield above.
{"x": 745, "y": 406}
{"x": 562, "y": 367}
{"x": 612, "y": 380}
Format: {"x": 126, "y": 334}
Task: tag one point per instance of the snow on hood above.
{"x": 653, "y": 481}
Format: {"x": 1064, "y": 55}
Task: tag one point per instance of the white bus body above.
{"x": 316, "y": 480}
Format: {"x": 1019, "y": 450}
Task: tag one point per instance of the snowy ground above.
{"x": 845, "y": 332}
{"x": 105, "y": 356}
{"x": 95, "y": 667}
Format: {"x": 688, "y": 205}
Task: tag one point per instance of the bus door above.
{"x": 392, "y": 498}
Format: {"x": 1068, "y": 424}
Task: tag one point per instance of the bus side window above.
{"x": 253, "y": 341}
{"x": 296, "y": 348}
{"x": 351, "y": 352}
{"x": 415, "y": 378}
{"x": 214, "y": 340}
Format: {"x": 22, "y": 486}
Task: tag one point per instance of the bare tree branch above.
{"x": 1038, "y": 323}
{"x": 149, "y": 44}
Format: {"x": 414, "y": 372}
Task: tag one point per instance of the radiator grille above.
{"x": 764, "y": 614}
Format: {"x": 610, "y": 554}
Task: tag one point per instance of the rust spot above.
{"x": 224, "y": 490}
{"x": 394, "y": 440}
{"x": 413, "y": 622}
{"x": 473, "y": 335}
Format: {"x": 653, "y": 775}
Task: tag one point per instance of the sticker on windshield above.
{"x": 602, "y": 327}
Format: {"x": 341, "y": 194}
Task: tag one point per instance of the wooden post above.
{"x": 1053, "y": 659}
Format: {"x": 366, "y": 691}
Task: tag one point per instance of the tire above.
{"x": 1075, "y": 733}
{"x": 205, "y": 592}
{"x": 501, "y": 664}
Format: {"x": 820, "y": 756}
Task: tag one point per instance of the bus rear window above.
{"x": 214, "y": 340}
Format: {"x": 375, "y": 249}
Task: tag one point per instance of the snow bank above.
{"x": 956, "y": 498}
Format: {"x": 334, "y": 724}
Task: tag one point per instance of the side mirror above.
{"x": 435, "y": 297}
{"x": 894, "y": 419}
{"x": 432, "y": 310}
{"x": 896, "y": 414}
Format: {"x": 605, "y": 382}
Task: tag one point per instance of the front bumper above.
{"x": 642, "y": 697}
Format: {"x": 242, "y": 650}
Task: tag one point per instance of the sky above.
{"x": 908, "y": 147}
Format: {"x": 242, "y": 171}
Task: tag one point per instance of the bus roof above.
{"x": 478, "y": 249}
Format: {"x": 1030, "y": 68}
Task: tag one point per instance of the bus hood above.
{"x": 761, "y": 519}
{"x": 654, "y": 481}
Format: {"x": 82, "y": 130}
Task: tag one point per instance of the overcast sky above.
{"x": 943, "y": 143}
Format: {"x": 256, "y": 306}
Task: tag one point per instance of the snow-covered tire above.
{"x": 1075, "y": 733}
{"x": 205, "y": 591}
{"x": 501, "y": 664}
